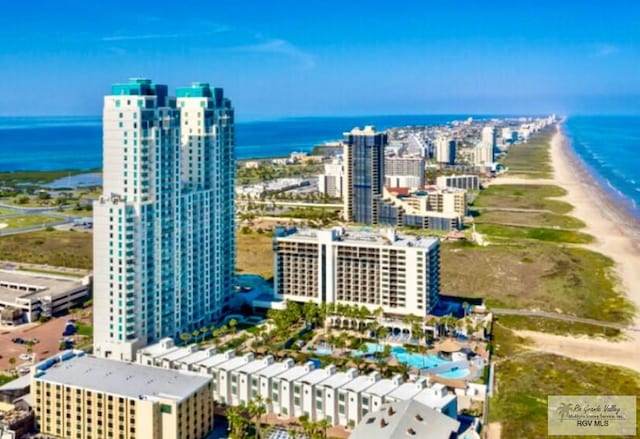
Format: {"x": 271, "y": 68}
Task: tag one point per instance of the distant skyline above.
{"x": 285, "y": 58}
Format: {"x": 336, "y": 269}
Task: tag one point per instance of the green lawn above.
{"x": 76, "y": 212}
{"x": 535, "y": 275}
{"x": 36, "y": 219}
{"x": 534, "y": 219}
{"x": 539, "y": 233}
{"x": 521, "y": 196}
{"x": 55, "y": 248}
{"x": 6, "y": 211}
{"x": 4, "y": 379}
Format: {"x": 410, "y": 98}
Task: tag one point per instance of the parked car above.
{"x": 25, "y": 357}
{"x": 18, "y": 340}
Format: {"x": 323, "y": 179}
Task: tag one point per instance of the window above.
{"x": 165, "y": 408}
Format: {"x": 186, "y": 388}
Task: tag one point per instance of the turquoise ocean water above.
{"x": 609, "y": 148}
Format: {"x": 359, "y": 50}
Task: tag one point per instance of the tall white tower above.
{"x": 163, "y": 228}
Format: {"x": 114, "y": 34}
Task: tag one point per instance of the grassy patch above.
{"x": 56, "y": 248}
{"x": 523, "y": 384}
{"x": 523, "y": 196}
{"x": 17, "y": 222}
{"x": 559, "y": 327}
{"x": 531, "y": 159}
{"x": 506, "y": 343}
{"x": 539, "y": 233}
{"x": 78, "y": 212}
{"x": 535, "y": 275}
{"x": 84, "y": 329}
{"x": 534, "y": 219}
{"x": 6, "y": 211}
{"x": 254, "y": 254}
{"x": 4, "y": 379}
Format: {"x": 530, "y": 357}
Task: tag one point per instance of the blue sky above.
{"x": 295, "y": 58}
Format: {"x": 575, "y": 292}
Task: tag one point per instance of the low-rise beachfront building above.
{"x": 266, "y": 375}
{"x": 247, "y": 381}
{"x": 406, "y": 391}
{"x": 88, "y": 397}
{"x": 438, "y": 397}
{"x": 227, "y": 382}
{"x": 209, "y": 365}
{"x": 327, "y": 395}
{"x": 406, "y": 419}
{"x": 282, "y": 396}
{"x": 372, "y": 398}
{"x": 349, "y": 399}
{"x": 343, "y": 398}
{"x": 304, "y": 391}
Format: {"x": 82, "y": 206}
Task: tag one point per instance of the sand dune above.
{"x": 616, "y": 235}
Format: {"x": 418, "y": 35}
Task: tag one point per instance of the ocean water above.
{"x": 54, "y": 143}
{"x": 609, "y": 147}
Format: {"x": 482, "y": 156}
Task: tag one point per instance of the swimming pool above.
{"x": 323, "y": 351}
{"x": 420, "y": 361}
{"x": 455, "y": 374}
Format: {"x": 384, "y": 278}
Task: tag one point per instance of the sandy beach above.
{"x": 617, "y": 235}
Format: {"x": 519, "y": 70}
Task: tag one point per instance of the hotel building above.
{"x": 164, "y": 226}
{"x": 330, "y": 182}
{"x": 76, "y": 396}
{"x": 404, "y": 172}
{"x": 399, "y": 274}
{"x": 363, "y": 174}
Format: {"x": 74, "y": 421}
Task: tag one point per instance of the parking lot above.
{"x": 48, "y": 333}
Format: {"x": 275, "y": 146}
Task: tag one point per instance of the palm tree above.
{"x": 185, "y": 337}
{"x": 465, "y": 305}
{"x": 195, "y": 334}
{"x": 237, "y": 421}
{"x": 324, "y": 425}
{"x": 204, "y": 331}
{"x": 232, "y": 324}
{"x": 257, "y": 409}
{"x": 12, "y": 363}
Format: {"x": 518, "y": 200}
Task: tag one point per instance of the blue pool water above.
{"x": 323, "y": 351}
{"x": 455, "y": 374}
{"x": 419, "y": 361}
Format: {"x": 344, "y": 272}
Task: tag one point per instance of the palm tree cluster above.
{"x": 240, "y": 417}
{"x": 313, "y": 429}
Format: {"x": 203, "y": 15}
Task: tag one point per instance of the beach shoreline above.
{"x": 616, "y": 233}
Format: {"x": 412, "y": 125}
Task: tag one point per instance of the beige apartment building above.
{"x": 87, "y": 397}
{"x": 399, "y": 274}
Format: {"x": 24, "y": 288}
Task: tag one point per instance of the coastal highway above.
{"x": 558, "y": 316}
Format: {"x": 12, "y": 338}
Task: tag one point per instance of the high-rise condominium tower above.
{"x": 164, "y": 226}
{"x": 363, "y": 174}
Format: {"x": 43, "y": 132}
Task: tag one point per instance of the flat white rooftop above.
{"x": 296, "y": 372}
{"x": 255, "y": 365}
{"x": 33, "y": 287}
{"x": 405, "y": 391}
{"x": 381, "y": 388}
{"x": 358, "y": 237}
{"x": 125, "y": 379}
{"x": 275, "y": 369}
{"x": 359, "y": 384}
{"x": 337, "y": 380}
{"x": 318, "y": 375}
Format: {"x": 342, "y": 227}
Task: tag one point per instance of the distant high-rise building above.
{"x": 489, "y": 136}
{"x": 363, "y": 174}
{"x": 164, "y": 226}
{"x": 330, "y": 182}
{"x": 404, "y": 172}
{"x": 446, "y": 150}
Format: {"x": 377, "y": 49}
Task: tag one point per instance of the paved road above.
{"x": 298, "y": 204}
{"x": 564, "y": 317}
